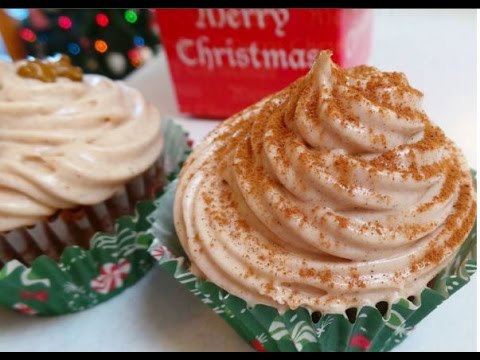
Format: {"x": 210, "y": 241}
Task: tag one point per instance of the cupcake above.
{"x": 331, "y": 216}
{"x": 81, "y": 156}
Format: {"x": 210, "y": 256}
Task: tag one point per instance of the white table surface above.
{"x": 437, "y": 51}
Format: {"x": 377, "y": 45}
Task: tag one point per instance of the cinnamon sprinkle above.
{"x": 455, "y": 232}
{"x": 243, "y": 147}
{"x": 355, "y": 281}
{"x": 325, "y": 276}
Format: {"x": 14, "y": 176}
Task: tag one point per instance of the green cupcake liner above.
{"x": 265, "y": 329}
{"x": 83, "y": 278}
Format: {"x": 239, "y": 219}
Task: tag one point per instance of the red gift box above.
{"x": 223, "y": 60}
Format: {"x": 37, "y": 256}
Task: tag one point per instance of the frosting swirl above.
{"x": 69, "y": 143}
{"x": 336, "y": 192}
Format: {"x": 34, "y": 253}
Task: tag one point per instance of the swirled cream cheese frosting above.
{"x": 67, "y": 143}
{"x": 336, "y": 192}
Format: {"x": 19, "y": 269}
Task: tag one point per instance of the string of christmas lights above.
{"x": 112, "y": 42}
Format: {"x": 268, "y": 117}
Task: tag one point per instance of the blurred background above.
{"x": 111, "y": 42}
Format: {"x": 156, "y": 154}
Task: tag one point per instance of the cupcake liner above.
{"x": 77, "y": 226}
{"x": 78, "y": 259}
{"x": 265, "y": 329}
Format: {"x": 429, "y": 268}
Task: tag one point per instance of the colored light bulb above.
{"x": 102, "y": 20}
{"x": 65, "y": 22}
{"x": 73, "y": 48}
{"x": 28, "y": 35}
{"x": 101, "y": 46}
{"x": 139, "y": 41}
{"x": 131, "y": 16}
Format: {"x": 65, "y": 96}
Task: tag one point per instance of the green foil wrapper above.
{"x": 83, "y": 278}
{"x": 265, "y": 329}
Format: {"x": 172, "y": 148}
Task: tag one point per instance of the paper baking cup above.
{"x": 297, "y": 330}
{"x": 78, "y": 259}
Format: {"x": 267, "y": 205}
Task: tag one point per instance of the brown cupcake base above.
{"x": 77, "y": 226}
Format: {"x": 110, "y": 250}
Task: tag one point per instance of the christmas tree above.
{"x": 111, "y": 42}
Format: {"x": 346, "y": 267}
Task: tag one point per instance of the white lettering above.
{"x": 246, "y": 14}
{"x": 253, "y": 54}
{"x": 273, "y": 58}
{"x": 182, "y": 48}
{"x": 230, "y": 55}
{"x": 204, "y": 54}
{"x": 206, "y": 18}
{"x": 261, "y": 18}
{"x": 296, "y": 59}
{"x": 246, "y": 18}
{"x": 221, "y": 18}
{"x": 232, "y": 17}
{"x": 201, "y": 24}
{"x": 280, "y": 18}
{"x": 242, "y": 58}
{"x": 200, "y": 53}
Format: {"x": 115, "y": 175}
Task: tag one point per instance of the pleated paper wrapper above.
{"x": 265, "y": 329}
{"x": 101, "y": 250}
